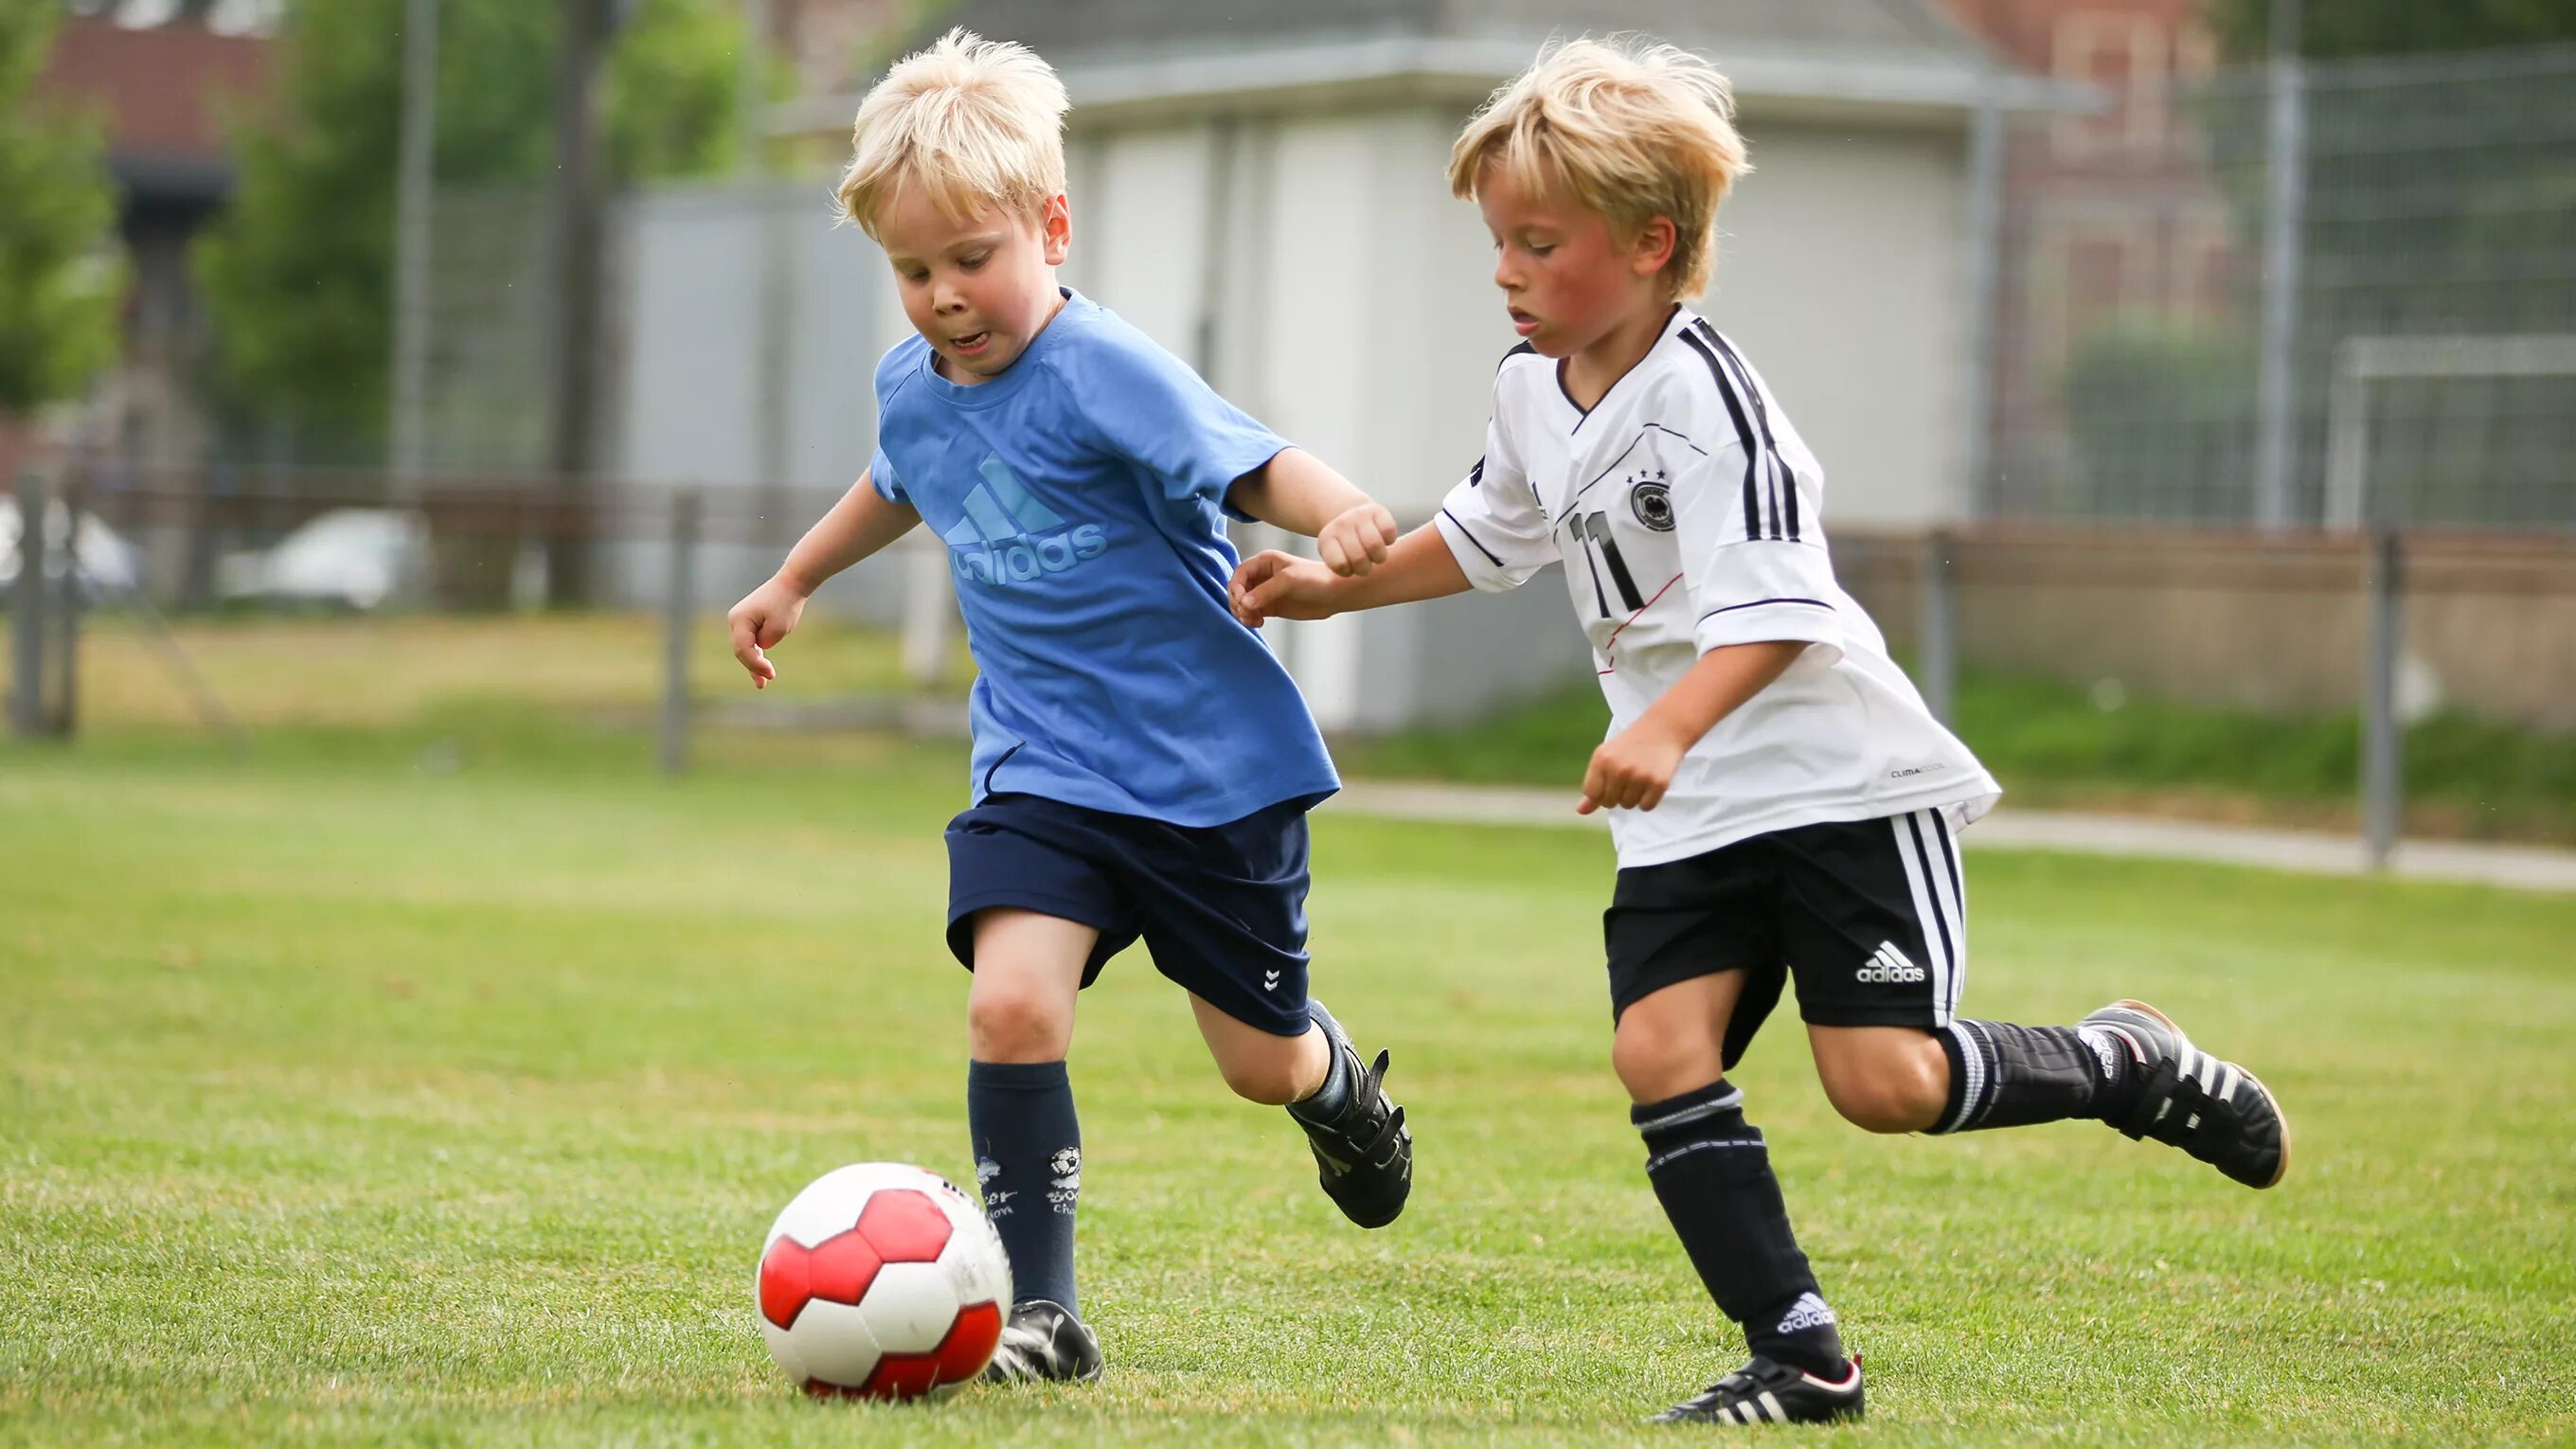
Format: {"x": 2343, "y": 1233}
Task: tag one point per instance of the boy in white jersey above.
{"x": 1783, "y": 805}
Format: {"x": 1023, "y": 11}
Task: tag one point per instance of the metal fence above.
{"x": 204, "y": 588}
{"x": 297, "y": 601}
{"x": 2412, "y": 275}
{"x": 2390, "y": 628}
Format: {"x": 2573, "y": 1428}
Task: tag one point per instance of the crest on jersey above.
{"x": 1652, "y": 502}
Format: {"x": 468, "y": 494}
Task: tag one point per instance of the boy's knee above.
{"x": 1895, "y": 1091}
{"x": 1657, "y": 1057}
{"x": 1272, "y": 1083}
{"x": 1272, "y": 1070}
{"x": 1016, "y": 1024}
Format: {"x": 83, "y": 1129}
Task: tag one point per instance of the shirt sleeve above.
{"x": 881, "y": 473}
{"x": 1492, "y": 521}
{"x": 1753, "y": 552}
{"x": 1145, "y": 405}
{"x": 893, "y": 372}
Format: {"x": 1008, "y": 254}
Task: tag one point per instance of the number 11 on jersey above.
{"x": 1592, "y": 533}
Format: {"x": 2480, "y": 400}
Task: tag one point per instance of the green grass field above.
{"x": 350, "y": 1099}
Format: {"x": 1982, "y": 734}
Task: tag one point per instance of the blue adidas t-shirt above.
{"x": 1079, "y": 493}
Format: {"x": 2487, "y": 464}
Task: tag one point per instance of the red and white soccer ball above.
{"x": 882, "y": 1281}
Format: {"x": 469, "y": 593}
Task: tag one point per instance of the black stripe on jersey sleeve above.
{"x": 1515, "y": 352}
{"x": 1743, "y": 431}
{"x": 1758, "y": 603}
{"x": 1785, "y": 505}
{"x": 1767, "y": 469}
{"x": 1469, "y": 534}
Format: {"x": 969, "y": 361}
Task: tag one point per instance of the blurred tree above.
{"x": 60, "y": 281}
{"x": 2436, "y": 200}
{"x": 299, "y": 275}
{"x": 2157, "y": 415}
{"x": 2333, "y": 29}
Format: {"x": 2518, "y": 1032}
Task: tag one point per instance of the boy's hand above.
{"x": 1633, "y": 768}
{"x": 1356, "y": 540}
{"x": 1275, "y": 585}
{"x": 764, "y": 617}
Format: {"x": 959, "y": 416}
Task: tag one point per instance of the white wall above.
{"x": 1353, "y": 310}
{"x": 733, "y": 378}
{"x": 1842, "y": 274}
{"x": 1139, "y": 233}
{"x": 1359, "y": 349}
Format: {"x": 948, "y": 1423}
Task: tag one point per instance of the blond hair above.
{"x": 1629, "y": 129}
{"x": 970, "y": 121}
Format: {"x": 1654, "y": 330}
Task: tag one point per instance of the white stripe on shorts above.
{"x": 1919, "y": 876}
{"x": 1956, "y": 875}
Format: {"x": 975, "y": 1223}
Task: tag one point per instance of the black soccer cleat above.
{"x": 2182, "y": 1096}
{"x": 1044, "y": 1341}
{"x": 1363, "y": 1156}
{"x": 1764, "y": 1392}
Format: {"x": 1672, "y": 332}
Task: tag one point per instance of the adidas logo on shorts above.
{"x": 1888, "y": 966}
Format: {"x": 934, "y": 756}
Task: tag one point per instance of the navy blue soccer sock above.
{"x": 1335, "y": 1094}
{"x": 1028, "y": 1161}
{"x": 1712, "y": 1172}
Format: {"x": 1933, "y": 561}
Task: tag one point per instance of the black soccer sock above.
{"x": 2002, "y": 1075}
{"x": 1712, "y": 1172}
{"x": 1327, "y": 1101}
{"x": 1028, "y": 1160}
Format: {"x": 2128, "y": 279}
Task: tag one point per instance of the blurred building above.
{"x": 164, "y": 76}
{"x": 827, "y": 42}
{"x": 2111, "y": 214}
{"x": 1262, "y": 189}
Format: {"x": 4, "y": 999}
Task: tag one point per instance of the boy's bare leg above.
{"x": 1711, "y": 1171}
{"x": 1363, "y": 1154}
{"x": 1261, "y": 1066}
{"x": 1028, "y": 1142}
{"x": 1028, "y": 973}
{"x": 1674, "y": 1040}
{"x": 1882, "y": 1078}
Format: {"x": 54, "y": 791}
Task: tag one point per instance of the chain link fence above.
{"x": 295, "y": 603}
{"x": 2430, "y": 290}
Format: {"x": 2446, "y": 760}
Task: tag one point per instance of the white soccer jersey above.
{"x": 1688, "y": 515}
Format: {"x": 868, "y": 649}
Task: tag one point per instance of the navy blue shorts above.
{"x": 1221, "y": 907}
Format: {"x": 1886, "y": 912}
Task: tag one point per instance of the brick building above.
{"x": 163, "y": 76}
{"x": 2111, "y": 214}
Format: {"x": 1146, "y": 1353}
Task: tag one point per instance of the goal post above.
{"x": 2363, "y": 362}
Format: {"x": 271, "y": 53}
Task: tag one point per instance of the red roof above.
{"x": 160, "y": 89}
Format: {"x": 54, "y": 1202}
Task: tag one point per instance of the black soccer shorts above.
{"x": 1868, "y": 916}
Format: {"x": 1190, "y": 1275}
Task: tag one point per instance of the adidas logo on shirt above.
{"x": 1005, "y": 537}
{"x": 1888, "y": 965}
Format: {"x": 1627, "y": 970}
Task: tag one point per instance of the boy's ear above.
{"x": 1654, "y": 246}
{"x": 1055, "y": 229}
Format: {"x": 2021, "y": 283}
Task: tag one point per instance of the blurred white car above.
{"x": 107, "y": 563}
{"x": 353, "y": 558}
